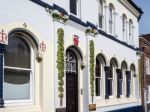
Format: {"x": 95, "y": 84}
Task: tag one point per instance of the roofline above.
{"x": 135, "y": 6}
{"x": 143, "y": 35}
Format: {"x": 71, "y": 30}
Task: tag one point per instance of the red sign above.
{"x": 3, "y": 37}
{"x": 75, "y": 40}
{"x": 42, "y": 47}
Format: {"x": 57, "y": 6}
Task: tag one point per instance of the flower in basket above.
{"x": 64, "y": 17}
{"x": 88, "y": 30}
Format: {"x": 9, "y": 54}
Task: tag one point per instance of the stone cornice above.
{"x": 132, "y": 7}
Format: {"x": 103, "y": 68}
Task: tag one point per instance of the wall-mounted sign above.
{"x": 75, "y": 40}
{"x": 42, "y": 46}
{"x": 3, "y": 37}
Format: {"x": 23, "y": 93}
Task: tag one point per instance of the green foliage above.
{"x": 91, "y": 46}
{"x": 91, "y": 31}
{"x": 59, "y": 17}
{"x": 60, "y": 63}
{"x": 56, "y": 16}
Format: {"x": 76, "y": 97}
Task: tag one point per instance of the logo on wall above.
{"x": 75, "y": 40}
{"x": 3, "y": 37}
{"x": 42, "y": 46}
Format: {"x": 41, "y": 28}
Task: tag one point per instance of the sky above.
{"x": 144, "y": 26}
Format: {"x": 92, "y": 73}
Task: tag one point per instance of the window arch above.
{"x": 130, "y": 32}
{"x": 123, "y": 80}
{"x": 99, "y": 71}
{"x": 124, "y": 30}
{"x": 111, "y": 16}
{"x": 18, "y": 68}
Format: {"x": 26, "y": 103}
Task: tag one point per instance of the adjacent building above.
{"x": 145, "y": 71}
{"x": 69, "y": 55}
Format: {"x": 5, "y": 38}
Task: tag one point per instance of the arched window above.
{"x": 123, "y": 80}
{"x": 101, "y": 16}
{"x": 133, "y": 74}
{"x": 113, "y": 67}
{"x": 124, "y": 30}
{"x": 130, "y": 32}
{"x": 99, "y": 71}
{"x": 110, "y": 18}
{"x": 128, "y": 83}
{"x": 18, "y": 69}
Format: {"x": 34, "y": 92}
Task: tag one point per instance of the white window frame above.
{"x": 24, "y": 101}
{"x": 78, "y": 8}
{"x": 148, "y": 94}
{"x": 100, "y": 97}
{"x": 113, "y": 80}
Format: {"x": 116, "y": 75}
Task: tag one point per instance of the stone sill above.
{"x": 114, "y": 101}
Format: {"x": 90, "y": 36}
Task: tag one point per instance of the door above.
{"x": 71, "y": 82}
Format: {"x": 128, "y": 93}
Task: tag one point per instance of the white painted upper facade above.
{"x": 41, "y": 26}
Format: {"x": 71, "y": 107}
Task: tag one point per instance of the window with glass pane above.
{"x": 130, "y": 30}
{"x": 124, "y": 69}
{"x": 123, "y": 23}
{"x": 132, "y": 84}
{"x": 110, "y": 81}
{"x": 73, "y": 6}
{"x": 148, "y": 93}
{"x": 100, "y": 14}
{"x": 98, "y": 78}
{"x": 17, "y": 69}
{"x": 128, "y": 84}
{"x": 119, "y": 83}
{"x": 110, "y": 19}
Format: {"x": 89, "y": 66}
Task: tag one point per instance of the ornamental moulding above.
{"x": 59, "y": 16}
{"x": 91, "y": 31}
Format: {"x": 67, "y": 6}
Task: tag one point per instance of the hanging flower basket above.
{"x": 91, "y": 31}
{"x": 58, "y": 16}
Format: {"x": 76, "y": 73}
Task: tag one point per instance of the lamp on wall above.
{"x": 82, "y": 65}
{"x": 39, "y": 57}
{"x": 134, "y": 75}
{"x": 139, "y": 53}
